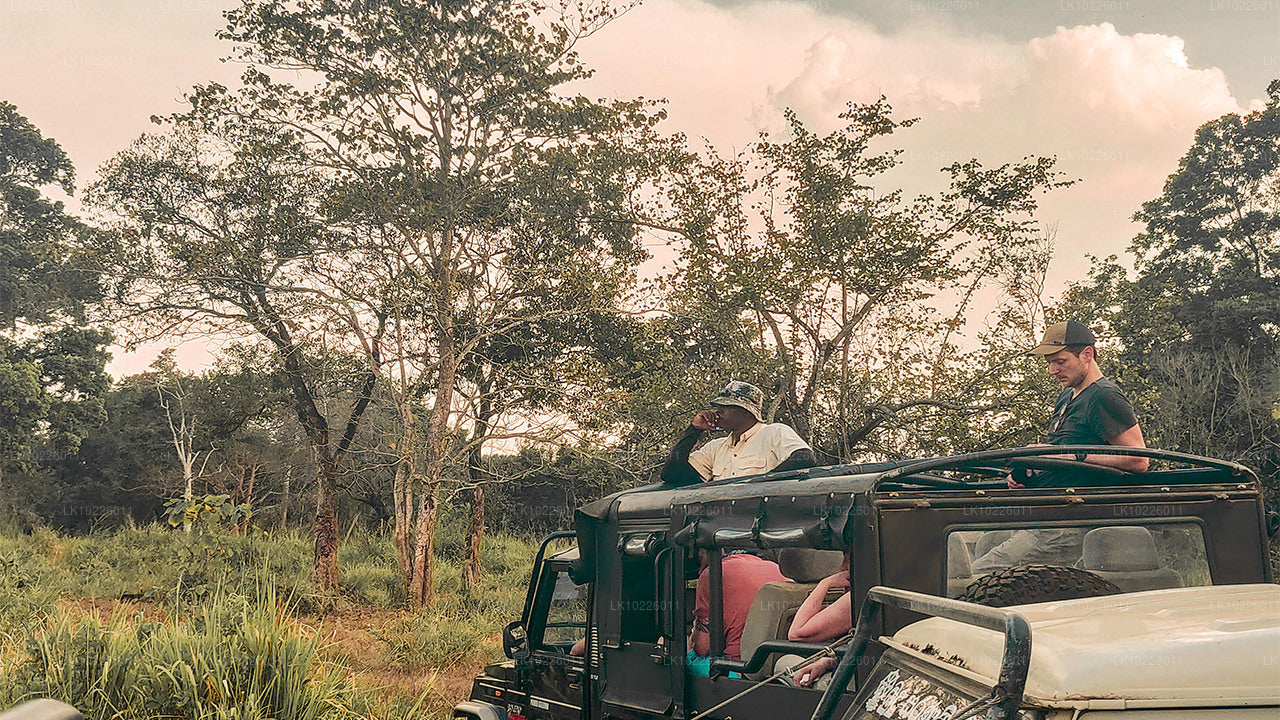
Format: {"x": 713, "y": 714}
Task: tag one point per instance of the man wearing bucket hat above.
{"x": 752, "y": 447}
{"x": 1091, "y": 410}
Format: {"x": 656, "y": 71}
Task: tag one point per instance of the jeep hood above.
{"x": 1185, "y": 646}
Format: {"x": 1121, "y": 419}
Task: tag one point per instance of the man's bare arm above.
{"x": 1133, "y": 463}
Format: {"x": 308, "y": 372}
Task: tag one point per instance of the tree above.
{"x": 176, "y": 399}
{"x": 220, "y": 232}
{"x": 52, "y": 375}
{"x": 40, "y": 244}
{"x": 841, "y": 281}
{"x": 1210, "y": 251}
{"x": 463, "y": 196}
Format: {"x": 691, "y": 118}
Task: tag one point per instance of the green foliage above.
{"x": 537, "y": 492}
{"x": 232, "y": 659}
{"x": 23, "y": 403}
{"x": 52, "y": 374}
{"x": 795, "y": 246}
{"x": 209, "y": 512}
{"x": 41, "y": 247}
{"x": 1211, "y": 246}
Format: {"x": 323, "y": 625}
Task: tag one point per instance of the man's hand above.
{"x": 809, "y": 674}
{"x": 706, "y": 420}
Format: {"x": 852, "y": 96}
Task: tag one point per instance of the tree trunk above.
{"x": 326, "y": 567}
{"x": 475, "y": 533}
{"x": 246, "y": 496}
{"x": 471, "y": 566}
{"x": 313, "y": 422}
{"x": 285, "y": 499}
{"x": 403, "y": 498}
{"x": 424, "y": 547}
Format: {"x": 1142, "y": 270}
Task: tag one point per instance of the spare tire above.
{"x": 1035, "y": 583}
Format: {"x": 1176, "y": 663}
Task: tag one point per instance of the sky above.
{"x": 1114, "y": 88}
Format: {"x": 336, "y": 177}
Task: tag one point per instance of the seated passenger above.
{"x": 815, "y": 623}
{"x": 743, "y": 575}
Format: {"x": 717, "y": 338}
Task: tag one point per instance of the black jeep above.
{"x": 627, "y": 586}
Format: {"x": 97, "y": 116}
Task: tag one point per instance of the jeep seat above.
{"x": 1127, "y": 557}
{"x": 959, "y": 565}
{"x": 774, "y": 606}
{"x": 990, "y": 539}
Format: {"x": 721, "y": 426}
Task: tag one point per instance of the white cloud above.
{"x": 1118, "y": 110}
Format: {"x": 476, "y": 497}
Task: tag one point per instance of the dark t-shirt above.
{"x": 1094, "y": 417}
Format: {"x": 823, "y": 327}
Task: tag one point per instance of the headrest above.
{"x": 807, "y": 565}
{"x": 1120, "y": 549}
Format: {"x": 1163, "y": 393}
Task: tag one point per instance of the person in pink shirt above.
{"x": 743, "y": 576}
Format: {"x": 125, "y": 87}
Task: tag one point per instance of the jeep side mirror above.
{"x": 515, "y": 642}
{"x": 1273, "y": 523}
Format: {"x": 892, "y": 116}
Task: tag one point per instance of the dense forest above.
{"x": 429, "y": 273}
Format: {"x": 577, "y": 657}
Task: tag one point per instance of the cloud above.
{"x": 1138, "y": 83}
{"x": 1117, "y": 110}
{"x": 918, "y": 74}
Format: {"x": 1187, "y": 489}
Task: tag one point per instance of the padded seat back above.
{"x": 959, "y": 565}
{"x": 805, "y": 565}
{"x": 1127, "y": 556}
{"x": 1120, "y": 549}
{"x": 990, "y": 539}
{"x": 774, "y": 606}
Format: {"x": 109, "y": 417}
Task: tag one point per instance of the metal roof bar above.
{"x": 1007, "y": 693}
{"x": 975, "y": 458}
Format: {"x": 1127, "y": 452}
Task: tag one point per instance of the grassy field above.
{"x": 148, "y": 622}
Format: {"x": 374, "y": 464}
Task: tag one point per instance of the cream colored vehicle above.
{"x": 1208, "y": 653}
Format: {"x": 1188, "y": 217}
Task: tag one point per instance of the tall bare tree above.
{"x": 468, "y": 192}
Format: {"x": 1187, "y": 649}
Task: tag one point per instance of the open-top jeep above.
{"x": 627, "y": 588}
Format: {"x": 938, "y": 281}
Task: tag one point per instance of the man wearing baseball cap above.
{"x": 752, "y": 447}
{"x": 1091, "y": 410}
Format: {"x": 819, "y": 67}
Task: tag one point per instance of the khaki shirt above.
{"x": 759, "y": 450}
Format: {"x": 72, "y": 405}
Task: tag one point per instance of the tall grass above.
{"x": 232, "y": 659}
{"x": 465, "y": 624}
{"x": 224, "y": 626}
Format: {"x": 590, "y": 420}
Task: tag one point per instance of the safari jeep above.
{"x": 626, "y": 589}
{"x": 1202, "y": 653}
